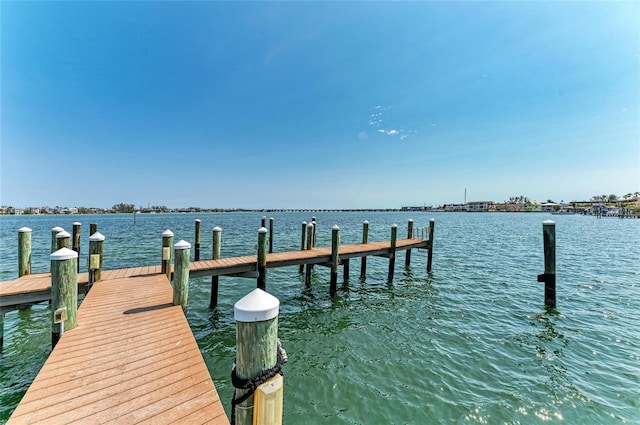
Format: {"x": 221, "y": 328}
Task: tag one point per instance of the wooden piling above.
{"x": 196, "y": 248}
{"x": 96, "y": 248}
{"x": 315, "y": 228}
{"x": 392, "y": 252}
{"x": 1, "y": 331}
{"x": 263, "y": 222}
{"x": 215, "y": 255}
{"x": 407, "y": 255}
{"x": 64, "y": 292}
{"x": 256, "y": 317}
{"x": 303, "y": 242}
{"x": 262, "y": 259}
{"x": 310, "y": 227}
{"x": 365, "y": 239}
{"x": 93, "y": 228}
{"x": 62, "y": 240}
{"x": 432, "y": 224}
{"x": 270, "y": 235}
{"x": 549, "y": 276}
{"x": 75, "y": 243}
{"x": 181, "y": 274}
{"x": 24, "y": 251}
{"x": 54, "y": 240}
{"x": 167, "y": 242}
{"x": 335, "y": 260}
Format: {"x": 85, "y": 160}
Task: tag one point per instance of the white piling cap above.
{"x": 432, "y": 220}
{"x": 24, "y": 230}
{"x": 310, "y": 225}
{"x": 394, "y": 226}
{"x": 198, "y": 220}
{"x": 262, "y": 230}
{"x": 304, "y": 222}
{"x": 182, "y": 245}
{"x": 410, "y": 220}
{"x": 96, "y": 237}
{"x": 57, "y": 229}
{"x": 256, "y": 306}
{"x": 365, "y": 222}
{"x": 548, "y": 223}
{"x": 335, "y": 227}
{"x": 63, "y": 234}
{"x": 167, "y": 234}
{"x": 77, "y": 223}
{"x": 63, "y": 254}
{"x": 217, "y": 229}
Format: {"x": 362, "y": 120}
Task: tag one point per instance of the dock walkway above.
{"x": 37, "y": 287}
{"x": 132, "y": 359}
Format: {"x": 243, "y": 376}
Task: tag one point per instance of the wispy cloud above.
{"x": 385, "y": 123}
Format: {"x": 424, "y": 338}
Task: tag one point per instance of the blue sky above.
{"x": 317, "y": 105}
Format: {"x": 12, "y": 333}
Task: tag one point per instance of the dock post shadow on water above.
{"x": 259, "y": 387}
{"x": 549, "y": 275}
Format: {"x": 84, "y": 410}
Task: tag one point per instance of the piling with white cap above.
{"x": 256, "y": 317}
{"x": 167, "y": 242}
{"x": 262, "y": 258}
{"x": 303, "y": 241}
{"x": 64, "y": 292}
{"x": 54, "y": 240}
{"x": 310, "y": 227}
{"x": 215, "y": 255}
{"x": 407, "y": 255}
{"x": 62, "y": 239}
{"x": 392, "y": 251}
{"x": 365, "y": 239}
{"x": 181, "y": 274}
{"x": 432, "y": 225}
{"x": 335, "y": 260}
{"x": 24, "y": 251}
{"x": 96, "y": 249}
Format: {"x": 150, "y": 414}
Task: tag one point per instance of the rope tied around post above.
{"x": 252, "y": 384}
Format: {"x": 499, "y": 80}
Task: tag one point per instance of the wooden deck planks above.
{"x": 131, "y": 359}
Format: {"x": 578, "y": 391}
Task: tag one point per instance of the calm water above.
{"x": 470, "y": 343}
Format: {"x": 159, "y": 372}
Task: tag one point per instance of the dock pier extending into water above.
{"x": 133, "y": 358}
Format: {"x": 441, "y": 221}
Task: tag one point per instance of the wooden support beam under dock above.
{"x": 131, "y": 359}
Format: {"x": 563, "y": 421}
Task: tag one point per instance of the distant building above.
{"x": 549, "y": 207}
{"x": 480, "y": 206}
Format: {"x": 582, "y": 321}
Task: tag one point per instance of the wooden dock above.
{"x": 35, "y": 288}
{"x": 131, "y": 359}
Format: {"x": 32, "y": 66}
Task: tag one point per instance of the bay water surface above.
{"x": 471, "y": 342}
